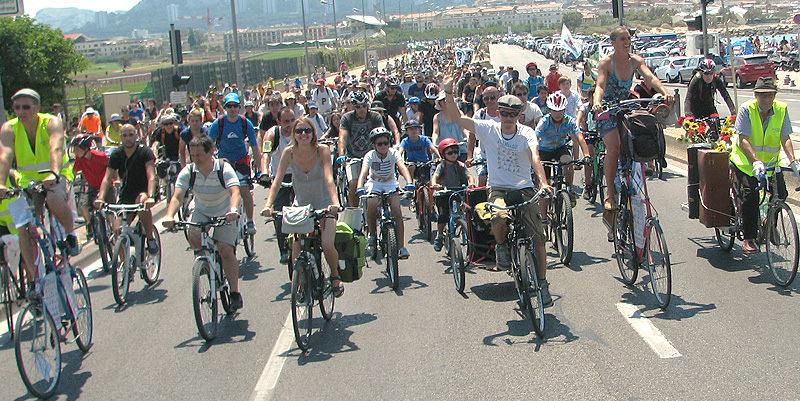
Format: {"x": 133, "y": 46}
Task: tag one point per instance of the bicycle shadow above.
{"x": 149, "y": 295}
{"x": 251, "y": 268}
{"x": 732, "y": 261}
{"x": 384, "y": 283}
{"x": 522, "y": 328}
{"x": 496, "y": 292}
{"x": 579, "y": 259}
{"x": 333, "y": 337}
{"x": 419, "y": 237}
{"x": 71, "y": 383}
{"x": 229, "y": 331}
{"x": 286, "y": 294}
{"x": 679, "y": 308}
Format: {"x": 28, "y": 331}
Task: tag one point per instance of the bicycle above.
{"x": 310, "y": 282}
{"x": 777, "y": 228}
{"x": 13, "y": 286}
{"x": 523, "y": 260}
{"x": 560, "y": 226}
{"x": 53, "y": 310}
{"x": 387, "y": 245}
{"x": 172, "y": 168}
{"x": 97, "y": 226}
{"x": 130, "y": 253}
{"x": 598, "y": 184}
{"x": 457, "y": 243}
{"x": 208, "y": 280}
{"x": 340, "y": 179}
{"x": 422, "y": 204}
{"x": 247, "y": 240}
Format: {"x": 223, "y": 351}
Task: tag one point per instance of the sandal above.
{"x": 338, "y": 290}
{"x": 609, "y": 204}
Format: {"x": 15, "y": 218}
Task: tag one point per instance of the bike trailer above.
{"x": 479, "y": 230}
{"x": 351, "y": 247}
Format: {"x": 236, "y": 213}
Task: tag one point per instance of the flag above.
{"x": 569, "y": 43}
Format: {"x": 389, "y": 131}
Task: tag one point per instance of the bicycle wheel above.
{"x": 8, "y": 295}
{"x": 152, "y": 263}
{"x": 185, "y": 211}
{"x": 102, "y": 240}
{"x": 390, "y": 238}
{"x": 84, "y": 323}
{"x": 658, "y": 264}
{"x": 248, "y": 240}
{"x": 223, "y": 289}
{"x": 459, "y": 253}
{"x": 529, "y": 282}
{"x": 624, "y": 247}
{"x": 120, "y": 271}
{"x": 601, "y": 181}
{"x": 725, "y": 239}
{"x": 782, "y": 240}
{"x": 427, "y": 216}
{"x": 204, "y": 300}
{"x": 38, "y": 351}
{"x": 302, "y": 302}
{"x": 564, "y": 228}
{"x": 168, "y": 189}
{"x": 341, "y": 188}
{"x": 325, "y": 292}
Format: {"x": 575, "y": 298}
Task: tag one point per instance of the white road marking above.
{"x": 272, "y": 369}
{"x": 652, "y": 336}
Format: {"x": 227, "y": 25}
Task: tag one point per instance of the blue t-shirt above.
{"x": 551, "y": 138}
{"x": 137, "y": 114}
{"x": 533, "y": 86}
{"x": 416, "y": 151}
{"x": 186, "y": 134}
{"x": 232, "y": 146}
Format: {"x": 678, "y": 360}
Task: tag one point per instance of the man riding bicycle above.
{"x": 705, "y": 83}
{"x": 762, "y": 128}
{"x": 354, "y": 139}
{"x": 511, "y": 152}
{"x": 280, "y": 137}
{"x": 92, "y": 164}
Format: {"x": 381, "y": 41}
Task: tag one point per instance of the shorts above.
{"x": 87, "y": 198}
{"x": 481, "y": 170}
{"x": 443, "y": 207}
{"x": 384, "y": 187}
{"x": 242, "y": 172}
{"x": 226, "y": 233}
{"x": 554, "y": 155}
{"x": 353, "y": 169}
{"x": 533, "y": 225}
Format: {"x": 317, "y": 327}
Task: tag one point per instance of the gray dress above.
{"x": 310, "y": 188}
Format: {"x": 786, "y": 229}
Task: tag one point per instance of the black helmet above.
{"x": 378, "y": 132}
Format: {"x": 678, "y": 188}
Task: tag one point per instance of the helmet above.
{"x": 249, "y": 104}
{"x": 359, "y": 98}
{"x": 556, "y": 102}
{"x": 378, "y": 132}
{"x": 392, "y": 81}
{"x": 446, "y": 143}
{"x": 531, "y": 64}
{"x": 432, "y": 91}
{"x": 706, "y": 65}
{"x": 413, "y": 99}
{"x": 82, "y": 140}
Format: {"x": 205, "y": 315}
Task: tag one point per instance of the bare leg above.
{"x": 610, "y": 167}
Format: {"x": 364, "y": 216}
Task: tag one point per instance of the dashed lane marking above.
{"x": 649, "y": 332}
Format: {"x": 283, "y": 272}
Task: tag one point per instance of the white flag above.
{"x": 569, "y": 43}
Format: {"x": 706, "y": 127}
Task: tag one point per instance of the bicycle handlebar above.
{"x": 214, "y": 222}
{"x": 542, "y": 193}
{"x": 125, "y": 207}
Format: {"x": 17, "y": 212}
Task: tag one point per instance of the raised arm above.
{"x": 452, "y": 108}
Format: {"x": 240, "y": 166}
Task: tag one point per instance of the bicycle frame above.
{"x": 133, "y": 234}
{"x": 633, "y": 177}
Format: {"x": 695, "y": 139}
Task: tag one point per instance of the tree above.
{"x": 195, "y": 37}
{"x": 36, "y": 56}
{"x": 572, "y": 19}
{"x": 125, "y": 62}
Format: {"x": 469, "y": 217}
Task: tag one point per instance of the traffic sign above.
{"x": 10, "y": 8}
{"x": 178, "y": 97}
{"x": 796, "y": 19}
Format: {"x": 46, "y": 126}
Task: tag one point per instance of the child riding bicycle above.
{"x": 450, "y": 174}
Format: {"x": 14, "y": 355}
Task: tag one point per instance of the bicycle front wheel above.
{"x": 302, "y": 302}
{"x": 564, "y": 226}
{"x": 325, "y": 291}
{"x": 38, "y": 351}
{"x": 341, "y": 188}
{"x": 459, "y": 253}
{"x": 84, "y": 323}
{"x": 185, "y": 211}
{"x": 204, "y": 300}
{"x": 529, "y": 281}
{"x": 120, "y": 271}
{"x": 658, "y": 264}
{"x": 427, "y": 216}
{"x": 624, "y": 246}
{"x": 152, "y": 264}
{"x": 390, "y": 238}
{"x": 9, "y": 297}
{"x": 782, "y": 240}
{"x": 100, "y": 230}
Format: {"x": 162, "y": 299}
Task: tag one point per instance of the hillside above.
{"x": 65, "y": 19}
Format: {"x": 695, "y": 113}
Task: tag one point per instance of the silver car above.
{"x": 690, "y": 66}
{"x": 669, "y": 68}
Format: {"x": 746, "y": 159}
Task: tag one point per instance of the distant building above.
{"x": 104, "y": 48}
{"x": 101, "y": 19}
{"x": 260, "y": 38}
{"x": 542, "y": 14}
{"x": 172, "y": 12}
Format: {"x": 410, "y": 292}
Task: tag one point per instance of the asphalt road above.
{"x": 726, "y": 334}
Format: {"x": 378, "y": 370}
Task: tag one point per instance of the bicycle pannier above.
{"x": 641, "y": 136}
{"x": 297, "y": 219}
{"x": 351, "y": 247}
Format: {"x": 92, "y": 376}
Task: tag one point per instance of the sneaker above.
{"x": 250, "y": 228}
{"x": 544, "y": 288}
{"x": 284, "y": 258}
{"x": 236, "y": 301}
{"x": 73, "y": 248}
{"x": 573, "y": 200}
{"x": 437, "y": 243}
{"x": 152, "y": 246}
{"x": 586, "y": 193}
{"x": 502, "y": 257}
{"x": 402, "y": 253}
{"x": 371, "y": 244}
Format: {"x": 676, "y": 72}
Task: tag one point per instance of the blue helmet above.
{"x": 413, "y": 99}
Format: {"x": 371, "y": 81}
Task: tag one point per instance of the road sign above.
{"x": 10, "y": 8}
{"x": 796, "y": 19}
{"x": 178, "y": 97}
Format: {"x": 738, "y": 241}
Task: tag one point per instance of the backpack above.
{"x": 193, "y": 175}
{"x": 641, "y": 136}
{"x": 351, "y": 247}
{"x": 221, "y": 123}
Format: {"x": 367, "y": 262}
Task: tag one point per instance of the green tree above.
{"x": 36, "y": 56}
{"x": 195, "y": 38}
{"x": 572, "y": 19}
{"x": 125, "y": 62}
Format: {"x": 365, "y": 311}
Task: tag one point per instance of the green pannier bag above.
{"x": 351, "y": 247}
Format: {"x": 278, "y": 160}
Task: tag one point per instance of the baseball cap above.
{"x": 509, "y": 102}
{"x": 320, "y": 81}
{"x": 115, "y": 117}
{"x": 231, "y": 98}
{"x": 312, "y": 105}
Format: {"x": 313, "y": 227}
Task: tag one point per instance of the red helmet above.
{"x": 531, "y": 64}
{"x": 82, "y": 140}
{"x": 446, "y": 143}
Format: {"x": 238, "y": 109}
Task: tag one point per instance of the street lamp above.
{"x": 363, "y": 21}
{"x": 305, "y": 42}
{"x": 335, "y": 29}
{"x": 237, "y": 63}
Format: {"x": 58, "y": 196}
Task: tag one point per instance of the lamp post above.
{"x": 363, "y": 21}
{"x": 237, "y": 63}
{"x": 335, "y": 30}
{"x": 305, "y": 42}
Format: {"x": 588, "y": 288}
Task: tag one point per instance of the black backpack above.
{"x": 193, "y": 175}
{"x": 221, "y": 123}
{"x": 641, "y": 136}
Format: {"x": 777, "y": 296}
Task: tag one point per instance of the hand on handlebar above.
{"x": 50, "y": 181}
{"x": 759, "y": 169}
{"x": 98, "y": 204}
{"x": 361, "y": 191}
{"x": 267, "y": 211}
{"x": 231, "y": 216}
{"x": 587, "y": 160}
{"x": 334, "y": 209}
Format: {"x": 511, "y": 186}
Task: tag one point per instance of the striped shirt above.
{"x": 382, "y": 170}
{"x": 210, "y": 198}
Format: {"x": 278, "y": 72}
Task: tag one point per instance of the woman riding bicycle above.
{"x": 312, "y": 181}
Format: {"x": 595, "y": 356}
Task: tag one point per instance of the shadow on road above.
{"x": 71, "y": 382}
{"x": 333, "y": 337}
{"x": 229, "y": 331}
{"x": 145, "y": 296}
{"x": 285, "y": 295}
{"x": 496, "y": 292}
{"x": 521, "y": 331}
{"x": 679, "y": 308}
{"x": 250, "y": 269}
{"x": 579, "y": 259}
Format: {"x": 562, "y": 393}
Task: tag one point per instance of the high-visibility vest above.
{"x": 29, "y": 163}
{"x": 14, "y": 177}
{"x": 766, "y": 144}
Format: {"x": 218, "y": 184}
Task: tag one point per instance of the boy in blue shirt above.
{"x": 417, "y": 148}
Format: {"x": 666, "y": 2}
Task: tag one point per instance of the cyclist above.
{"x": 443, "y": 128}
{"x": 392, "y": 99}
{"x": 279, "y": 137}
{"x": 166, "y": 136}
{"x": 534, "y": 80}
{"x": 417, "y": 148}
{"x": 112, "y": 130}
{"x": 91, "y": 124}
{"x": 450, "y": 174}
{"x": 212, "y": 198}
{"x": 427, "y": 108}
{"x": 354, "y": 139}
{"x": 512, "y": 152}
{"x": 490, "y": 112}
{"x": 699, "y": 101}
{"x": 312, "y": 180}
{"x": 194, "y": 129}
{"x": 229, "y": 134}
{"x": 92, "y": 164}
{"x": 379, "y": 164}
{"x": 134, "y": 165}
{"x": 530, "y": 114}
{"x": 32, "y": 142}
{"x": 762, "y": 127}
{"x": 325, "y": 98}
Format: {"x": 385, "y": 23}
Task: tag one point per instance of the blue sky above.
{"x": 32, "y": 6}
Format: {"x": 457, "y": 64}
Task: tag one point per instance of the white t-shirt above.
{"x": 324, "y": 99}
{"x": 382, "y": 170}
{"x": 530, "y": 113}
{"x": 573, "y": 101}
{"x": 508, "y": 163}
{"x": 483, "y": 114}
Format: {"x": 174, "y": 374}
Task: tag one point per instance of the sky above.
{"x": 31, "y": 7}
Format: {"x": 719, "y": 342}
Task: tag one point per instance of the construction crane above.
{"x": 207, "y": 17}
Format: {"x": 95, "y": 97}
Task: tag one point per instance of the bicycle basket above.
{"x": 297, "y": 219}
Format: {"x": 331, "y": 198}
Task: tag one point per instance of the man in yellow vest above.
{"x": 33, "y": 142}
{"x": 762, "y": 128}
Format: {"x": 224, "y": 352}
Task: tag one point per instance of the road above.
{"x": 725, "y": 336}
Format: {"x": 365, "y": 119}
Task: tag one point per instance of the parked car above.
{"x": 669, "y": 69}
{"x": 748, "y": 69}
{"x": 653, "y": 57}
{"x": 690, "y": 66}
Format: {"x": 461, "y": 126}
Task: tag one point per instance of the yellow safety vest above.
{"x": 766, "y": 144}
{"x": 5, "y": 214}
{"x": 29, "y": 163}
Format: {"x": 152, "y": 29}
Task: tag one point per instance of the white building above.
{"x": 548, "y": 15}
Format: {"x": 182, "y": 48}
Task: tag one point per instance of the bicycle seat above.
{"x": 512, "y": 198}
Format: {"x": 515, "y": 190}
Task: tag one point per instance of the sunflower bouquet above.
{"x": 708, "y": 131}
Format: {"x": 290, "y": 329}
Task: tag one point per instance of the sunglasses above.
{"x": 451, "y": 152}
{"x": 361, "y": 106}
{"x": 509, "y": 113}
{"x": 303, "y": 130}
{"x": 708, "y": 73}
{"x": 22, "y": 107}
{"x": 520, "y": 94}
{"x": 490, "y": 98}
{"x": 382, "y": 143}
{"x": 231, "y": 106}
